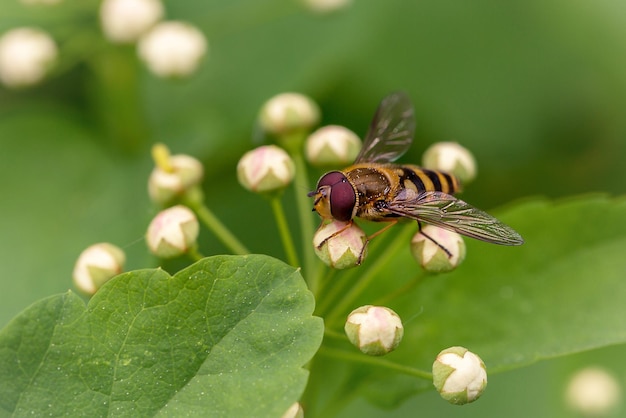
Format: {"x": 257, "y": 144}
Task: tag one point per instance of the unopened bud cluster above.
{"x": 375, "y": 330}
{"x": 26, "y": 55}
{"x": 174, "y": 176}
{"x": 168, "y": 48}
{"x": 287, "y": 113}
{"x": 173, "y": 232}
{"x": 124, "y": 21}
{"x": 96, "y": 265}
{"x": 340, "y": 245}
{"x": 459, "y": 375}
{"x": 438, "y": 250}
{"x": 332, "y": 145}
{"x": 451, "y": 158}
{"x": 593, "y": 392}
{"x": 266, "y": 169}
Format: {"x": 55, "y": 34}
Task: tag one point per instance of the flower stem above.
{"x": 194, "y": 254}
{"x": 307, "y": 226}
{"x": 283, "y": 229}
{"x": 374, "y": 361}
{"x": 217, "y": 227}
{"x": 370, "y": 274}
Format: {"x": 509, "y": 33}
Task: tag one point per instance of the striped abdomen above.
{"x": 422, "y": 180}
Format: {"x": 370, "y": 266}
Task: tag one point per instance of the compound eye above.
{"x": 342, "y": 201}
{"x": 330, "y": 179}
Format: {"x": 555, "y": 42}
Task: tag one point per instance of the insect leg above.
{"x": 419, "y": 226}
{"x": 380, "y": 231}
{"x": 334, "y": 234}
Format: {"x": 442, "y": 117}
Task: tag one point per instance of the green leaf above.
{"x": 227, "y": 336}
{"x": 562, "y": 292}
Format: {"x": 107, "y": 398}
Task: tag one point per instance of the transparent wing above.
{"x": 445, "y": 211}
{"x": 391, "y": 131}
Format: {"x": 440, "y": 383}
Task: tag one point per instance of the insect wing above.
{"x": 391, "y": 132}
{"x": 447, "y": 212}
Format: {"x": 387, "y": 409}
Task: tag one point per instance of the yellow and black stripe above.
{"x": 423, "y": 180}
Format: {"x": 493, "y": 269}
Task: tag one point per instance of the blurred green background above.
{"x": 535, "y": 88}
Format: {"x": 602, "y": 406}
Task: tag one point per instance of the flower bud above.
{"x": 340, "y": 245}
{"x": 96, "y": 265}
{"x": 172, "y": 232}
{"x": 593, "y": 392}
{"x": 375, "y": 330}
{"x": 124, "y": 21}
{"x": 326, "y": 6}
{"x": 289, "y": 112}
{"x": 459, "y": 375}
{"x": 265, "y": 169}
{"x": 172, "y": 49}
{"x": 26, "y": 54}
{"x": 433, "y": 257}
{"x": 332, "y": 145}
{"x": 171, "y": 181}
{"x": 451, "y": 158}
{"x": 294, "y": 411}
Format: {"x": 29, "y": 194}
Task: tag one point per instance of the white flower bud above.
{"x": 173, "y": 49}
{"x": 172, "y": 232}
{"x": 459, "y": 375}
{"x": 375, "y": 330}
{"x": 265, "y": 169}
{"x": 26, "y": 54}
{"x": 332, "y": 145}
{"x": 124, "y": 21}
{"x": 593, "y": 392}
{"x": 289, "y": 112}
{"x": 294, "y": 411}
{"x": 451, "y": 158}
{"x": 326, "y": 6}
{"x": 340, "y": 245}
{"x": 185, "y": 173}
{"x": 433, "y": 257}
{"x": 96, "y": 265}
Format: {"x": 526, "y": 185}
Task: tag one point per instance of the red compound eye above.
{"x": 342, "y": 195}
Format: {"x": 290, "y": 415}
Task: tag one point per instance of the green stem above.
{"x": 283, "y": 229}
{"x": 194, "y": 254}
{"x": 370, "y": 274}
{"x": 374, "y": 361}
{"x": 217, "y": 227}
{"x": 384, "y": 300}
{"x": 307, "y": 225}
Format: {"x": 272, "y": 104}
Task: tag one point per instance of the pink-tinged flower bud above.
{"x": 26, "y": 55}
{"x": 438, "y": 258}
{"x": 289, "y": 112}
{"x": 173, "y": 49}
{"x": 340, "y": 245}
{"x": 173, "y": 180}
{"x": 593, "y": 392}
{"x": 459, "y": 375}
{"x": 332, "y": 145}
{"x": 451, "y": 158}
{"x": 124, "y": 21}
{"x": 266, "y": 169}
{"x": 96, "y": 265}
{"x": 375, "y": 330}
{"x": 172, "y": 232}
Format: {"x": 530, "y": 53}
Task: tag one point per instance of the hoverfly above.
{"x": 375, "y": 189}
